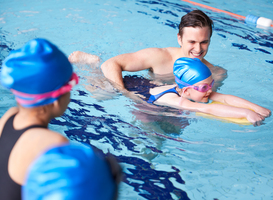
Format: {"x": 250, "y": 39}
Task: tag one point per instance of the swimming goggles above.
{"x": 28, "y": 99}
{"x": 201, "y": 88}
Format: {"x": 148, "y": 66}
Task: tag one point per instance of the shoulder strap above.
{"x": 153, "y": 98}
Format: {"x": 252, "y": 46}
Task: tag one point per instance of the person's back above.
{"x": 41, "y": 77}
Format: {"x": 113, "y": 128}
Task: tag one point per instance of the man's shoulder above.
{"x": 169, "y": 54}
{"x": 156, "y": 50}
{"x": 163, "y": 50}
{"x": 162, "y": 60}
{"x": 172, "y": 51}
{"x": 156, "y": 55}
{"x": 207, "y": 63}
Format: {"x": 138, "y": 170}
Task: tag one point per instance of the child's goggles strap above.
{"x": 202, "y": 88}
{"x": 180, "y": 83}
{"x": 24, "y": 98}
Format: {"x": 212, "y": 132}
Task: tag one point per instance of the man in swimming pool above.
{"x": 194, "y": 35}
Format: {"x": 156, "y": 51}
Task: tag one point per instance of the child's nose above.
{"x": 209, "y": 91}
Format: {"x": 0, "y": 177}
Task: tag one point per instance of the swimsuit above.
{"x": 142, "y": 86}
{"x": 9, "y": 190}
{"x": 153, "y": 98}
{"x": 135, "y": 83}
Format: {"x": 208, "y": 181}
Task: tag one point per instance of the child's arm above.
{"x": 239, "y": 102}
{"x": 224, "y": 111}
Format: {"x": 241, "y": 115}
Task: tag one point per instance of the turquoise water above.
{"x": 165, "y": 153}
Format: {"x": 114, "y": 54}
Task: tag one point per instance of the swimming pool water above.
{"x": 165, "y": 153}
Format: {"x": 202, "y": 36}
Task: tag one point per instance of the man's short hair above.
{"x": 195, "y": 18}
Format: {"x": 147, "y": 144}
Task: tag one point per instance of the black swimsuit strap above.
{"x": 9, "y": 136}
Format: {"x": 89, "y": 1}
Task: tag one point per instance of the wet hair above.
{"x": 195, "y": 18}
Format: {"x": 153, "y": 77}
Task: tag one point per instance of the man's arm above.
{"x": 144, "y": 59}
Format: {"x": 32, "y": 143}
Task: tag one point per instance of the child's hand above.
{"x": 263, "y": 111}
{"x": 255, "y": 118}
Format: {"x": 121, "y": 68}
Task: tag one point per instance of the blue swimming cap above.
{"x": 69, "y": 172}
{"x": 36, "y": 68}
{"x": 190, "y": 71}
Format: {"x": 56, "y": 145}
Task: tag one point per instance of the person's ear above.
{"x": 42, "y": 110}
{"x": 179, "y": 39}
{"x": 186, "y": 92}
{"x": 56, "y": 103}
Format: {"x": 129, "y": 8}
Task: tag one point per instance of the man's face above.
{"x": 194, "y": 41}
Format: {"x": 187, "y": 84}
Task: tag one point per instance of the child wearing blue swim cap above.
{"x": 194, "y": 88}
{"x": 41, "y": 78}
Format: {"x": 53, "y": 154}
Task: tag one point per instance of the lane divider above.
{"x": 260, "y": 21}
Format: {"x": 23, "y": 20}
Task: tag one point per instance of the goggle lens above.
{"x": 204, "y": 87}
